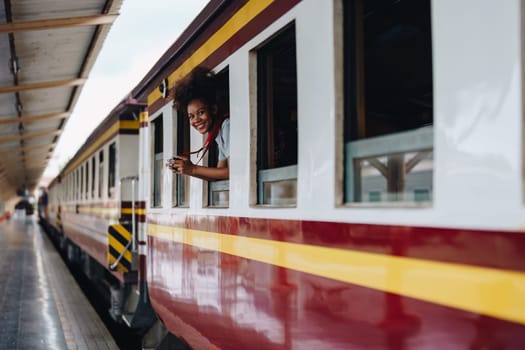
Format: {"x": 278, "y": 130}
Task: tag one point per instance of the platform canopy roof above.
{"x": 47, "y": 49}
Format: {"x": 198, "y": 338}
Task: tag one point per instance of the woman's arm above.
{"x": 183, "y": 165}
{"x": 210, "y": 174}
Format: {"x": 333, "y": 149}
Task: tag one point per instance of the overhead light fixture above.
{"x": 15, "y": 68}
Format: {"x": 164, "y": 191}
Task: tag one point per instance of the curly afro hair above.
{"x": 200, "y": 84}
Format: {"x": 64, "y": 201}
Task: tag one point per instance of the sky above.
{"x": 140, "y": 35}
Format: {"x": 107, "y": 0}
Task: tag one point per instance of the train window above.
{"x": 112, "y": 169}
{"x": 77, "y": 184}
{"x": 86, "y": 176}
{"x": 81, "y": 173}
{"x": 93, "y": 161}
{"x": 219, "y": 190}
{"x": 157, "y": 164}
{"x": 74, "y": 177}
{"x": 181, "y": 144}
{"x": 388, "y": 100}
{"x": 277, "y": 120}
{"x": 101, "y": 174}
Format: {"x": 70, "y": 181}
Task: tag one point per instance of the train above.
{"x": 376, "y": 190}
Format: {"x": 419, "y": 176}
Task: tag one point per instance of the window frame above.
{"x": 180, "y": 121}
{"x": 93, "y": 176}
{"x": 266, "y": 173}
{"x": 101, "y": 190}
{"x": 358, "y": 146}
{"x": 82, "y": 180}
{"x": 404, "y": 142}
{"x": 86, "y": 175}
{"x": 217, "y": 186}
{"x": 112, "y": 167}
{"x": 156, "y": 203}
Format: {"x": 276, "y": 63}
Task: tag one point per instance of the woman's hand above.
{"x": 181, "y": 165}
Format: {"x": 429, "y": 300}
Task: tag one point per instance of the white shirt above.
{"x": 223, "y": 140}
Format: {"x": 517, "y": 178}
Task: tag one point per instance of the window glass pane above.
{"x": 112, "y": 169}
{"x": 394, "y": 177}
{"x": 157, "y": 162}
{"x": 75, "y": 185}
{"x": 277, "y": 110}
{"x": 180, "y": 186}
{"x": 422, "y": 195}
{"x": 219, "y": 198}
{"x": 388, "y": 92}
{"x": 374, "y": 196}
{"x": 93, "y": 161}
{"x": 100, "y": 173}
{"x": 82, "y": 182}
{"x": 281, "y": 192}
{"x": 86, "y": 173}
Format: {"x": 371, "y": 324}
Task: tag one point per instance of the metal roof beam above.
{"x": 33, "y": 118}
{"x": 46, "y": 24}
{"x": 41, "y": 85}
{"x": 48, "y": 145}
{"x": 26, "y": 157}
{"x": 7, "y": 139}
{"x": 33, "y": 166}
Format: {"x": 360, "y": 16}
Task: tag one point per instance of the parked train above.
{"x": 376, "y": 189}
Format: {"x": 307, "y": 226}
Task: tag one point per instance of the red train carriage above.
{"x": 94, "y": 206}
{"x": 375, "y": 197}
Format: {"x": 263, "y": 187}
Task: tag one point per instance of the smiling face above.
{"x": 200, "y": 116}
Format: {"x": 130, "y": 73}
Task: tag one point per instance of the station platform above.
{"x": 41, "y": 305}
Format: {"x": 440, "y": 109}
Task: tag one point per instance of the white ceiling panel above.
{"x": 43, "y": 66}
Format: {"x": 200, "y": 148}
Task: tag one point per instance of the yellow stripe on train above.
{"x": 494, "y": 292}
{"x": 119, "y": 238}
{"x": 130, "y": 211}
{"x": 129, "y": 124}
{"x": 242, "y": 17}
{"x": 118, "y": 125}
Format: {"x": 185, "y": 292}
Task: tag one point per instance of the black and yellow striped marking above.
{"x": 119, "y": 237}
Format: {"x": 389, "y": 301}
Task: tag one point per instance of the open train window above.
{"x": 86, "y": 176}
{"x": 277, "y": 120}
{"x": 82, "y": 181}
{"x": 101, "y": 174}
{"x": 93, "y": 167}
{"x": 75, "y": 184}
{"x": 112, "y": 166}
{"x": 219, "y": 190}
{"x": 181, "y": 145}
{"x": 78, "y": 192}
{"x": 157, "y": 161}
{"x": 388, "y": 100}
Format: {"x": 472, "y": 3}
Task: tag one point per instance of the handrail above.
{"x": 131, "y": 178}
{"x": 113, "y": 266}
